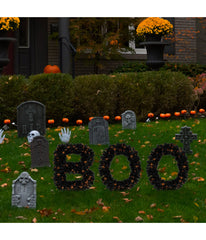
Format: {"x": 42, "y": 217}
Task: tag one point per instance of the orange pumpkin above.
{"x": 65, "y": 120}
{"x": 167, "y": 115}
{"x": 192, "y": 112}
{"x": 113, "y": 42}
{"x": 177, "y": 114}
{"x": 106, "y": 117}
{"x": 50, "y": 121}
{"x": 183, "y": 111}
{"x": 79, "y": 122}
{"x": 52, "y": 69}
{"x": 162, "y": 115}
{"x": 117, "y": 118}
{"x": 91, "y": 118}
{"x": 150, "y": 115}
{"x": 201, "y": 110}
{"x": 7, "y": 121}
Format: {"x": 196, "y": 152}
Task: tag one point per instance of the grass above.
{"x": 98, "y": 204}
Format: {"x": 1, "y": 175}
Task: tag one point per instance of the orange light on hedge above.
{"x": 7, "y": 121}
{"x": 150, "y": 115}
{"x": 167, "y": 115}
{"x": 162, "y": 115}
{"x": 183, "y": 111}
{"x": 192, "y": 112}
{"x": 91, "y": 118}
{"x": 201, "y": 110}
{"x": 79, "y": 122}
{"x": 177, "y": 114}
{"x": 106, "y": 117}
{"x": 50, "y": 121}
{"x": 65, "y": 120}
{"x": 117, "y": 118}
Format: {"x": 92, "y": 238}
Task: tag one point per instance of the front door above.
{"x": 33, "y": 46}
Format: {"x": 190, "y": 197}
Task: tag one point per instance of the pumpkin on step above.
{"x": 52, "y": 69}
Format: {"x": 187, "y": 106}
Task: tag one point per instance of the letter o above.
{"x": 133, "y": 158}
{"x": 152, "y": 164}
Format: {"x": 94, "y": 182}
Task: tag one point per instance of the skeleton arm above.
{"x": 65, "y": 135}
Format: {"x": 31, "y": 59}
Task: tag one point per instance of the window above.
{"x": 135, "y": 44}
{"x": 98, "y": 34}
{"x": 127, "y": 36}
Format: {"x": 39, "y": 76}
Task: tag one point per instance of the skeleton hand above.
{"x": 65, "y": 135}
{"x": 1, "y": 138}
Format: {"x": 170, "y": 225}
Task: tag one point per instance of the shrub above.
{"x": 153, "y": 91}
{"x": 160, "y": 91}
{"x": 98, "y": 95}
{"x": 13, "y": 91}
{"x": 199, "y": 84}
{"x": 94, "y": 96}
{"x": 132, "y": 67}
{"x": 133, "y": 94}
{"x": 190, "y": 70}
{"x": 55, "y": 91}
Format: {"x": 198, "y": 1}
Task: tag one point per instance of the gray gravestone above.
{"x": 98, "y": 131}
{"x": 40, "y": 152}
{"x": 186, "y": 137}
{"x": 128, "y": 120}
{"x": 24, "y": 191}
{"x": 31, "y": 115}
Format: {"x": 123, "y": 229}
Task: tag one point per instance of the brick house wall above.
{"x": 186, "y": 50}
{"x": 201, "y": 40}
{"x": 185, "y": 41}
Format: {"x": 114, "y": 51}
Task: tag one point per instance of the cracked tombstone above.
{"x": 39, "y": 152}
{"x": 98, "y": 131}
{"x": 24, "y": 191}
{"x": 186, "y": 137}
{"x": 31, "y": 115}
{"x": 128, "y": 120}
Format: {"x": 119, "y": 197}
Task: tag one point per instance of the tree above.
{"x": 102, "y": 37}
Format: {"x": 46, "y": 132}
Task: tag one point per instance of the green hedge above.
{"x": 190, "y": 70}
{"x": 158, "y": 91}
{"x": 55, "y": 91}
{"x": 97, "y": 95}
{"x": 13, "y": 91}
{"x": 132, "y": 67}
{"x": 94, "y": 96}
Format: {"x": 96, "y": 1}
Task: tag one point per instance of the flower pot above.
{"x": 4, "y": 46}
{"x": 153, "y": 38}
{"x": 155, "y": 51}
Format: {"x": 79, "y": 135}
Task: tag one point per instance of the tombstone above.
{"x": 31, "y": 116}
{"x": 24, "y": 191}
{"x": 186, "y": 137}
{"x": 39, "y": 152}
{"x": 98, "y": 131}
{"x": 128, "y": 120}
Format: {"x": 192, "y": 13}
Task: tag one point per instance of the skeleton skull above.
{"x": 129, "y": 119}
{"x": 24, "y": 178}
{"x": 32, "y": 135}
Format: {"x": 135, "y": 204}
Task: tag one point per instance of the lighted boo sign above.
{"x": 61, "y": 167}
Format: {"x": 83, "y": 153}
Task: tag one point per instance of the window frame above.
{"x": 132, "y": 44}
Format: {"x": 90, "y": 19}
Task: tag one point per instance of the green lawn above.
{"x": 142, "y": 203}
